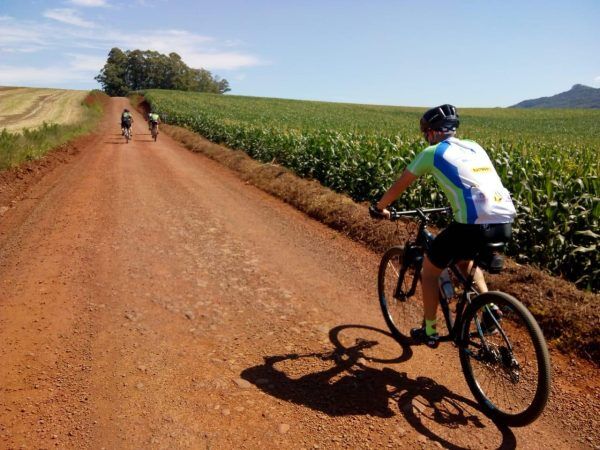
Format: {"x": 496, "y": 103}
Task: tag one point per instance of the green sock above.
{"x": 430, "y": 327}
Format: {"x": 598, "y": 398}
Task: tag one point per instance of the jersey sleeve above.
{"x": 423, "y": 162}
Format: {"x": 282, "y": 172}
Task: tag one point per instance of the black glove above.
{"x": 375, "y": 212}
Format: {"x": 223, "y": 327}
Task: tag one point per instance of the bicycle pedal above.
{"x": 419, "y": 336}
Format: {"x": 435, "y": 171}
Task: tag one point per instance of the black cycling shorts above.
{"x": 460, "y": 241}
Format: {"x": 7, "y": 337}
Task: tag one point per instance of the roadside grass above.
{"x": 30, "y": 144}
{"x": 568, "y": 316}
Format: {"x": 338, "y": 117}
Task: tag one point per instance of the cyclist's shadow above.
{"x": 348, "y": 386}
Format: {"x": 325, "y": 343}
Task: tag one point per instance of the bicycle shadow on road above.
{"x": 115, "y": 138}
{"x": 348, "y": 385}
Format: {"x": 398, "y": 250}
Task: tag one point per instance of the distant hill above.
{"x": 579, "y": 96}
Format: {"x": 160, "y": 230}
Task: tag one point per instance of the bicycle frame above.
{"x": 415, "y": 252}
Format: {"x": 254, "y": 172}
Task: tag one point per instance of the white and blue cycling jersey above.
{"x": 465, "y": 173}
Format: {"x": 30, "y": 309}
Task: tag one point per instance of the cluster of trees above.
{"x": 134, "y": 70}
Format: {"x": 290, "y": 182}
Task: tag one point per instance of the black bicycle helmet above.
{"x": 440, "y": 118}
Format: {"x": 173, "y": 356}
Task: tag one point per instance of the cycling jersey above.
{"x": 154, "y": 118}
{"x": 465, "y": 173}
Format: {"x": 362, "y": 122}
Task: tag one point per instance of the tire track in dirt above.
{"x": 36, "y": 105}
{"x": 151, "y": 299}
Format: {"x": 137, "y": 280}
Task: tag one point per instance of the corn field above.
{"x": 548, "y": 159}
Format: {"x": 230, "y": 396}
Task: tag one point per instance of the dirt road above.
{"x": 151, "y": 299}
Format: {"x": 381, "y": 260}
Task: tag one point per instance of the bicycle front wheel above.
{"x": 505, "y": 359}
{"x": 397, "y": 284}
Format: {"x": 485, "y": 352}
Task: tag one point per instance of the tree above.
{"x": 223, "y": 85}
{"x": 136, "y": 69}
{"x": 112, "y": 77}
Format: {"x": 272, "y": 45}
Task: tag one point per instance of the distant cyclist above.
{"x": 482, "y": 208}
{"x": 126, "y": 121}
{"x": 153, "y": 120}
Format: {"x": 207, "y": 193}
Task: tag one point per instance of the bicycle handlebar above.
{"x": 375, "y": 213}
{"x": 420, "y": 212}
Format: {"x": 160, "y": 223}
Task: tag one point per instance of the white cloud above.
{"x": 193, "y": 48}
{"x": 89, "y": 3}
{"x": 19, "y": 38}
{"x": 68, "y": 16}
{"x": 86, "y": 63}
{"x": 21, "y": 49}
{"x": 40, "y": 76}
{"x": 597, "y": 80}
{"x": 75, "y": 54}
{"x": 167, "y": 41}
{"x": 233, "y": 43}
{"x": 220, "y": 60}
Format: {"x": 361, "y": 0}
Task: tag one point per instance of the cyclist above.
{"x": 153, "y": 120}
{"x": 482, "y": 208}
{"x": 126, "y": 120}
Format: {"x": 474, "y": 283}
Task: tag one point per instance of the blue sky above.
{"x": 471, "y": 53}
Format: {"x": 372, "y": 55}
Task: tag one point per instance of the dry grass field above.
{"x": 30, "y": 107}
{"x": 34, "y": 121}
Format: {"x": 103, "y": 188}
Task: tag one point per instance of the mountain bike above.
{"x": 154, "y": 130}
{"x": 503, "y": 353}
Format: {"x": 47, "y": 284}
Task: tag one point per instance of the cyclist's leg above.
{"x": 441, "y": 253}
{"x": 449, "y": 245}
{"x": 429, "y": 282}
{"x": 478, "y": 278}
{"x": 427, "y": 332}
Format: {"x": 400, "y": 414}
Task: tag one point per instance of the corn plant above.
{"x": 548, "y": 159}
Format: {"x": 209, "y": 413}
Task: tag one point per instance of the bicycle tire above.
{"x": 400, "y": 314}
{"x": 527, "y": 361}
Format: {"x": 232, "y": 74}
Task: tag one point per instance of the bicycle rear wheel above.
{"x": 505, "y": 362}
{"x": 397, "y": 283}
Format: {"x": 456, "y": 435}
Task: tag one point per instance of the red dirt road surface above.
{"x": 151, "y": 299}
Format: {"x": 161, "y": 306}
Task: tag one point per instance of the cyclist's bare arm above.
{"x": 396, "y": 190}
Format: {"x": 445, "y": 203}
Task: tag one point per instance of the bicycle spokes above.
{"x": 502, "y": 357}
{"x": 397, "y": 284}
